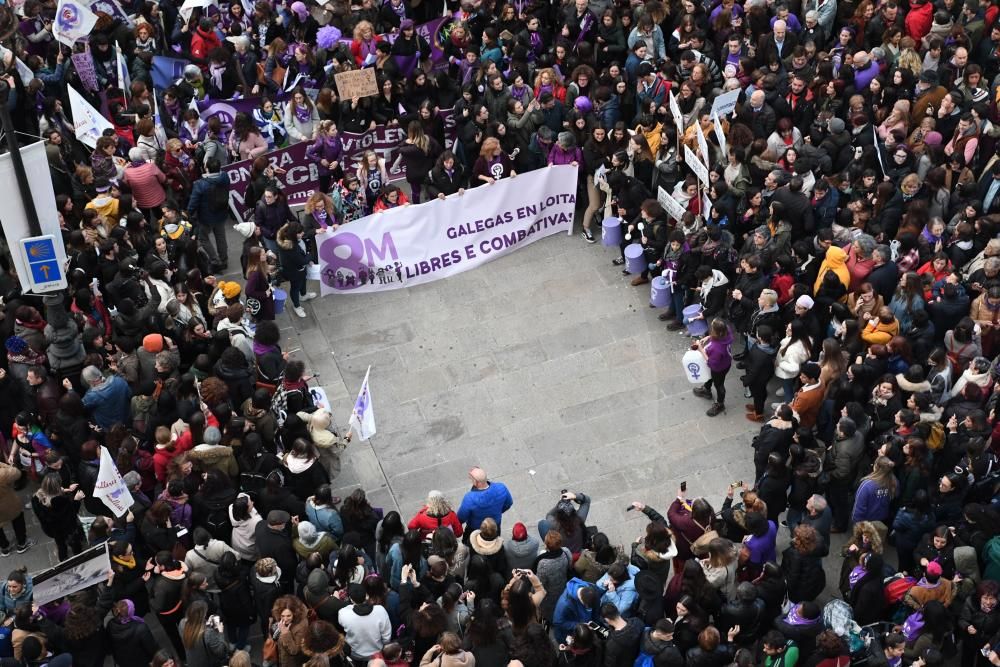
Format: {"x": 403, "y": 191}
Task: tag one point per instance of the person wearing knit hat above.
{"x": 300, "y": 10}
{"x": 245, "y": 229}
{"x": 805, "y": 302}
{"x": 308, "y": 540}
{"x": 522, "y": 549}
{"x": 230, "y": 289}
{"x": 153, "y": 343}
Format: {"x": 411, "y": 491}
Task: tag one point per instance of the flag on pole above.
{"x": 719, "y": 134}
{"x": 110, "y": 487}
{"x": 167, "y": 70}
{"x": 74, "y": 21}
{"x": 703, "y": 144}
{"x": 124, "y": 80}
{"x": 88, "y": 123}
{"x": 363, "y": 416}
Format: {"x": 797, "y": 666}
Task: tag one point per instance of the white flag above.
{"x": 363, "y": 416}
{"x": 88, "y": 122}
{"x": 110, "y": 487}
{"x": 720, "y": 135}
{"x": 703, "y": 144}
{"x": 124, "y": 79}
{"x": 73, "y": 22}
{"x": 190, "y": 5}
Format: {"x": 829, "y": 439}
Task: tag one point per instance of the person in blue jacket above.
{"x": 485, "y": 499}
{"x": 618, "y": 588}
{"x": 579, "y": 603}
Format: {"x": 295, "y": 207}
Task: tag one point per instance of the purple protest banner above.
{"x": 301, "y": 175}
{"x": 84, "y": 65}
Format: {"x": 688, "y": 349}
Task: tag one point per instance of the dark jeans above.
{"x": 238, "y": 635}
{"x": 219, "y": 253}
{"x": 169, "y": 624}
{"x": 65, "y": 542}
{"x": 718, "y": 380}
{"x": 414, "y": 191}
{"x": 297, "y": 287}
{"x": 838, "y": 496}
{"x": 759, "y": 395}
{"x": 20, "y": 532}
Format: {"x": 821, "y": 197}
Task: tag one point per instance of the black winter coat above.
{"x": 235, "y": 601}
{"x": 132, "y": 643}
{"x": 867, "y": 599}
{"x": 804, "y": 575}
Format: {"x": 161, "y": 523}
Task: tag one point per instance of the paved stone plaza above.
{"x": 544, "y": 367}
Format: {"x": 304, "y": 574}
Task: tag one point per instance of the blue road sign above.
{"x": 42, "y": 259}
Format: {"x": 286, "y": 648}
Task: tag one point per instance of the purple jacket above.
{"x": 560, "y": 156}
{"x": 325, "y": 149}
{"x": 871, "y": 503}
{"x": 720, "y": 357}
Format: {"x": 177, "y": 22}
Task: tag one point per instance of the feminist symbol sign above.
{"x": 695, "y": 371}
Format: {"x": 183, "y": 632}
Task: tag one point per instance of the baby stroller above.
{"x": 861, "y": 641}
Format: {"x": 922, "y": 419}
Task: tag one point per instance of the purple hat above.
{"x": 300, "y": 10}
{"x": 406, "y": 24}
{"x": 933, "y": 138}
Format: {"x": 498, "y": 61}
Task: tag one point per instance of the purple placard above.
{"x": 84, "y": 65}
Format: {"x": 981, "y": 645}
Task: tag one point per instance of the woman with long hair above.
{"x": 359, "y": 517}
{"x": 260, "y": 296}
{"x": 715, "y": 348}
{"x": 56, "y": 509}
{"x": 373, "y": 175}
{"x": 301, "y": 117}
{"x": 418, "y": 152}
{"x": 246, "y": 141}
{"x": 328, "y": 152}
{"x": 437, "y": 512}
{"x": 802, "y": 565}
{"x": 203, "y": 637}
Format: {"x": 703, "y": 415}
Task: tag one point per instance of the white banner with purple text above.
{"x": 425, "y": 242}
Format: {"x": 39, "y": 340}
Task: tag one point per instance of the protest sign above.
{"x": 110, "y": 486}
{"x": 725, "y": 103}
{"x": 669, "y": 204}
{"x": 71, "y": 575}
{"x": 84, "y": 64}
{"x": 356, "y": 83}
{"x": 703, "y": 144}
{"x": 719, "y": 134}
{"x": 675, "y": 111}
{"x": 301, "y": 176}
{"x": 697, "y": 166}
{"x": 418, "y": 244}
{"x": 74, "y": 21}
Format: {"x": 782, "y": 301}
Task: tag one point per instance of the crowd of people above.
{"x": 843, "y": 255}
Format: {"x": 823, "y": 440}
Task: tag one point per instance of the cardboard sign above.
{"x": 725, "y": 103}
{"x": 669, "y": 204}
{"x": 696, "y": 165}
{"x": 356, "y": 83}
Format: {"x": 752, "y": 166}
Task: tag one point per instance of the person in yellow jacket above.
{"x": 836, "y": 261}
{"x": 880, "y": 330}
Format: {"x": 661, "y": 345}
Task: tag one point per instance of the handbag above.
{"x": 270, "y": 651}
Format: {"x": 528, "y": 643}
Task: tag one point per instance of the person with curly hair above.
{"x": 288, "y": 629}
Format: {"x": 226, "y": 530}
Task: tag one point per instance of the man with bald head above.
{"x": 758, "y": 115}
{"x": 485, "y": 500}
{"x": 777, "y": 44}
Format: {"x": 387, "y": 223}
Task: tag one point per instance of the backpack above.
{"x": 991, "y": 559}
{"x": 897, "y": 588}
{"x": 218, "y": 197}
{"x": 217, "y": 523}
{"x": 644, "y": 660}
{"x": 279, "y": 404}
{"x": 935, "y": 439}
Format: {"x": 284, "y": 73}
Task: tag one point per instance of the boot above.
{"x": 716, "y": 409}
{"x": 749, "y": 407}
{"x": 639, "y": 280}
{"x": 754, "y": 417}
{"x": 676, "y": 325}
{"x": 665, "y": 316}
{"x": 702, "y": 392}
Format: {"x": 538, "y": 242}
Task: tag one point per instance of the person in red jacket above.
{"x": 436, "y": 513}
{"x": 204, "y": 40}
{"x": 918, "y": 19}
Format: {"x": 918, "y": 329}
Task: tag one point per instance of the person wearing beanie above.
{"x": 320, "y": 598}
{"x": 210, "y": 455}
{"x": 931, "y": 587}
{"x": 306, "y": 539}
{"x": 146, "y": 182}
{"x": 809, "y": 398}
{"x": 522, "y": 549}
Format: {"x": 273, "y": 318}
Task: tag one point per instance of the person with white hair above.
{"x": 107, "y": 398}
{"x": 435, "y": 513}
{"x": 146, "y": 181}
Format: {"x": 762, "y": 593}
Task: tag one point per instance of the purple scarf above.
{"x": 793, "y": 617}
{"x": 260, "y": 348}
{"x": 215, "y": 72}
{"x": 131, "y": 613}
{"x": 302, "y": 114}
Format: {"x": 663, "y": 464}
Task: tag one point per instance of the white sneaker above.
{"x": 308, "y": 296}
{"x": 299, "y": 311}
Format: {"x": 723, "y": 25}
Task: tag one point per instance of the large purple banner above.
{"x": 301, "y": 175}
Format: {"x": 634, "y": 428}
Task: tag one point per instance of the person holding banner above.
{"x": 492, "y": 165}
